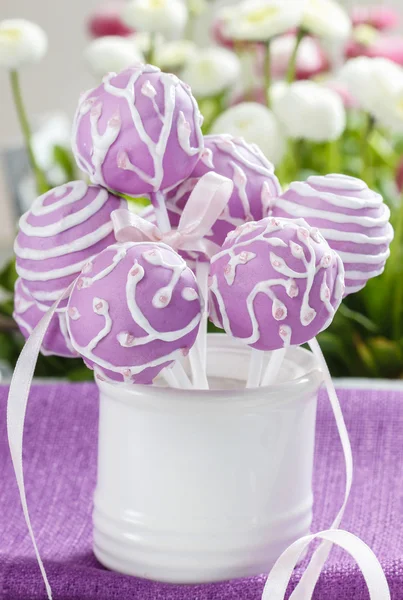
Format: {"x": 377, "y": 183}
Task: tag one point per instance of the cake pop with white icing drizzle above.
{"x": 275, "y": 283}
{"x": 138, "y": 132}
{"x": 61, "y": 231}
{"x": 27, "y": 314}
{"x": 255, "y": 187}
{"x": 135, "y": 310}
{"x": 352, "y": 218}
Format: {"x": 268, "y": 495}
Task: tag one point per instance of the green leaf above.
{"x": 81, "y": 374}
{"x": 8, "y": 276}
{"x": 65, "y": 160}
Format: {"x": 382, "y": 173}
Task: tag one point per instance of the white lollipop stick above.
{"x": 181, "y": 376}
{"x": 202, "y": 273}
{"x": 176, "y": 377}
{"x": 274, "y": 366}
{"x": 255, "y": 368}
{"x": 170, "y": 377}
{"x": 198, "y": 371}
{"x": 161, "y": 212}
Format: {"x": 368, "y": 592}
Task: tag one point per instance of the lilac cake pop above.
{"x": 138, "y": 132}
{"x": 135, "y": 309}
{"x": 352, "y": 218}
{"x": 57, "y": 236}
{"x": 255, "y": 186}
{"x": 275, "y": 283}
{"x": 28, "y": 313}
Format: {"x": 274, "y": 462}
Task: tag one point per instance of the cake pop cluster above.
{"x": 131, "y": 294}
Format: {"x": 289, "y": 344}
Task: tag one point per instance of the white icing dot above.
{"x": 267, "y": 199}
{"x": 162, "y": 298}
{"x": 296, "y": 250}
{"x": 324, "y": 292}
{"x": 292, "y": 288}
{"x": 189, "y": 294}
{"x": 285, "y": 333}
{"x": 87, "y": 267}
{"x": 115, "y": 121}
{"x": 96, "y": 110}
{"x": 100, "y": 307}
{"x": 316, "y": 235}
{"x": 122, "y": 160}
{"x": 276, "y": 262}
{"x": 308, "y": 316}
{"x": 207, "y": 158}
{"x": 148, "y": 90}
{"x": 153, "y": 257}
{"x": 303, "y": 234}
{"x": 340, "y": 287}
{"x": 279, "y": 310}
{"x": 129, "y": 339}
{"x": 74, "y": 313}
{"x": 127, "y": 374}
{"x": 326, "y": 261}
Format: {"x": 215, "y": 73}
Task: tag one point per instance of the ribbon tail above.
{"x": 280, "y": 575}
{"x": 16, "y": 410}
{"x": 306, "y": 586}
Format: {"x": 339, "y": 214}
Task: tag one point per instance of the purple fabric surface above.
{"x": 60, "y": 470}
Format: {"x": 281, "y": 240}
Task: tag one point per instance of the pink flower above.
{"x": 380, "y": 17}
{"x": 107, "y": 21}
{"x": 382, "y": 46}
{"x": 219, "y": 37}
{"x": 311, "y": 60}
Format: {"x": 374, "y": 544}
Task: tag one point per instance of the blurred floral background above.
{"x": 318, "y": 85}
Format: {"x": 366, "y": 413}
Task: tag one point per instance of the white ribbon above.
{"x": 306, "y": 586}
{"x": 16, "y": 408}
{"x": 280, "y": 575}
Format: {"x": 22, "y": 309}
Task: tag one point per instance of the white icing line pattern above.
{"x": 279, "y": 310}
{"x": 102, "y": 144}
{"x": 125, "y": 338}
{"x": 326, "y": 200}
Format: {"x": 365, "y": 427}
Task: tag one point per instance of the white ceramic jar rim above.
{"x": 302, "y": 384}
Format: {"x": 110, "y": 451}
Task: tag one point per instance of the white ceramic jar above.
{"x": 201, "y": 486}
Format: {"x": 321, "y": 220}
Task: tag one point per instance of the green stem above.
{"x": 292, "y": 65}
{"x": 267, "y": 74}
{"x": 367, "y": 169}
{"x": 41, "y": 183}
{"x": 150, "y": 54}
{"x": 333, "y": 157}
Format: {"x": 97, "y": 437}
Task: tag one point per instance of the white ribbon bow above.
{"x": 206, "y": 203}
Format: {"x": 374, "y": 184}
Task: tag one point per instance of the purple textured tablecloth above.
{"x": 60, "y": 470}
